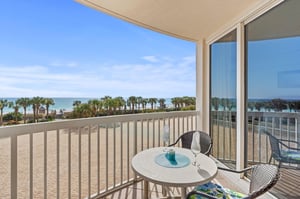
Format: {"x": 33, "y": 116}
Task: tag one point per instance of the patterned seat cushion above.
{"x": 294, "y": 155}
{"x": 216, "y": 191}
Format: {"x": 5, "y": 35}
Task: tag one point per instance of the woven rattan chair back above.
{"x": 263, "y": 178}
{"x": 186, "y": 141}
{"x": 274, "y": 146}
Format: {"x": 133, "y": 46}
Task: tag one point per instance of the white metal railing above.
{"x": 284, "y": 125}
{"x": 80, "y": 158}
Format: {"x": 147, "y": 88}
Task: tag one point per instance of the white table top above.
{"x": 145, "y": 166}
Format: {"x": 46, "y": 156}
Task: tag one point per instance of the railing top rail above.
{"x": 7, "y": 131}
{"x": 267, "y": 114}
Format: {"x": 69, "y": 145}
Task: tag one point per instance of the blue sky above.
{"x": 54, "y": 48}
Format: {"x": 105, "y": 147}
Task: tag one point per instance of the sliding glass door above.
{"x": 273, "y": 68}
{"x": 223, "y": 98}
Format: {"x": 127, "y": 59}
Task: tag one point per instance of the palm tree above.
{"x": 16, "y": 107}
{"x": 107, "y": 103}
{"x": 83, "y": 110}
{"x": 76, "y": 103}
{"x": 297, "y": 105}
{"x": 215, "y": 103}
{"x": 268, "y": 105}
{"x": 139, "y": 101}
{"x": 152, "y": 101}
{"x": 161, "y": 102}
{"x": 258, "y": 105}
{"x": 291, "y": 105}
{"x": 120, "y": 102}
{"x": 24, "y": 102}
{"x": 187, "y": 101}
{"x": 175, "y": 101}
{"x": 278, "y": 104}
{"x": 95, "y": 106}
{"x": 48, "y": 102}
{"x": 223, "y": 103}
{"x": 3, "y": 104}
{"x": 251, "y": 105}
{"x": 133, "y": 101}
{"x": 36, "y": 103}
{"x": 144, "y": 103}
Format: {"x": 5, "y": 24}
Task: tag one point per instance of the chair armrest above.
{"x": 172, "y": 144}
{"x": 291, "y": 141}
{"x": 235, "y": 171}
{"x": 194, "y": 192}
{"x": 208, "y": 150}
{"x": 288, "y": 147}
{"x": 175, "y": 141}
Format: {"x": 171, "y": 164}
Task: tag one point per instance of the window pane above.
{"x": 223, "y": 98}
{"x": 273, "y": 46}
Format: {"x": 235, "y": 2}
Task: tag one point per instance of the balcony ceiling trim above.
{"x": 190, "y": 20}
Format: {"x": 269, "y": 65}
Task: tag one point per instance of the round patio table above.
{"x": 149, "y": 165}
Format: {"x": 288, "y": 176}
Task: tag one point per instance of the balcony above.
{"x": 90, "y": 158}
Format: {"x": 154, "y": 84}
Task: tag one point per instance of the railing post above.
{"x": 135, "y": 138}
{"x": 135, "y": 142}
{"x": 297, "y": 131}
{"x": 241, "y": 127}
{"x": 14, "y": 167}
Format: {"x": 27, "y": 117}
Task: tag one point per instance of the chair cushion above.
{"x": 217, "y": 191}
{"x": 294, "y": 155}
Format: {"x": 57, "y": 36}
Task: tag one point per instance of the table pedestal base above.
{"x": 146, "y": 189}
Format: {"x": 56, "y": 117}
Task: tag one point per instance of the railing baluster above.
{"x": 142, "y": 135}
{"x": 230, "y": 137}
{"x": 89, "y": 162}
{"x": 218, "y": 136}
{"x": 153, "y": 132}
{"x": 224, "y": 129}
{"x": 114, "y": 155}
{"x": 266, "y": 129}
{"x": 159, "y": 132}
{"x": 148, "y": 136}
{"x": 79, "y": 163}
{"x": 45, "y": 164}
{"x": 106, "y": 159}
{"x": 121, "y": 153}
{"x": 31, "y": 165}
{"x": 128, "y": 166}
{"x": 57, "y": 164}
{"x": 98, "y": 158}
{"x": 14, "y": 166}
{"x": 69, "y": 163}
{"x": 259, "y": 149}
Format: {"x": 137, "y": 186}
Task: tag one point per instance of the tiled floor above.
{"x": 287, "y": 187}
{"x": 136, "y": 192}
{"x": 227, "y": 179}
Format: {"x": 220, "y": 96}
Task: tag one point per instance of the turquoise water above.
{"x": 65, "y": 104}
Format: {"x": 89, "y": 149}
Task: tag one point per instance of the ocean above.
{"x": 64, "y": 104}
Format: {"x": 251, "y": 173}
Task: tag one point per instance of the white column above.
{"x": 240, "y": 92}
{"x": 202, "y": 85}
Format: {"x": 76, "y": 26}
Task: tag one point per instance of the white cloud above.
{"x": 167, "y": 78}
{"x": 69, "y": 64}
{"x": 151, "y": 59}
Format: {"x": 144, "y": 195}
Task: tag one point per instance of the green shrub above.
{"x": 11, "y": 116}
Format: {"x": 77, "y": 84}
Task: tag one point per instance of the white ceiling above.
{"x": 186, "y": 19}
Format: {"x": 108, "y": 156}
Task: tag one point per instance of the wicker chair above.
{"x": 186, "y": 141}
{"x": 282, "y": 151}
{"x": 263, "y": 178}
